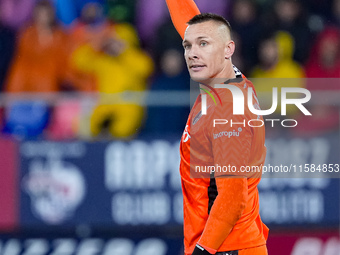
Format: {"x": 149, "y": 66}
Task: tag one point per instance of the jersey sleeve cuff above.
{"x": 210, "y": 250}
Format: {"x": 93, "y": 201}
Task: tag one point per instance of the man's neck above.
{"x": 229, "y": 74}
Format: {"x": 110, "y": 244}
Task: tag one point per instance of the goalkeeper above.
{"x": 221, "y": 211}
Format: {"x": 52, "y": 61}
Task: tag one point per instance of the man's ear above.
{"x": 229, "y": 49}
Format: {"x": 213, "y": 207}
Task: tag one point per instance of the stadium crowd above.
{"x": 106, "y": 47}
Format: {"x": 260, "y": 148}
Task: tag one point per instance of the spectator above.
{"x": 166, "y": 38}
{"x": 244, "y": 21}
{"x": 289, "y": 16}
{"x": 172, "y": 77}
{"x": 39, "y": 62}
{"x": 151, "y": 13}
{"x": 16, "y": 13}
{"x": 122, "y": 10}
{"x": 276, "y": 58}
{"x": 7, "y": 43}
{"x": 275, "y": 55}
{"x": 336, "y": 12}
{"x": 323, "y": 63}
{"x": 119, "y": 65}
{"x": 66, "y": 11}
{"x": 91, "y": 28}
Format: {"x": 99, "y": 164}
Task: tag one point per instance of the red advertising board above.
{"x": 314, "y": 242}
{"x": 9, "y": 200}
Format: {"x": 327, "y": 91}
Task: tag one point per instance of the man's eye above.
{"x": 203, "y": 43}
{"x": 186, "y": 47}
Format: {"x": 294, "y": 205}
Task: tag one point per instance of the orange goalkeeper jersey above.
{"x": 235, "y": 146}
{"x": 203, "y": 145}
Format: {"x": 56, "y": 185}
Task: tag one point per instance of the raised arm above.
{"x": 181, "y": 11}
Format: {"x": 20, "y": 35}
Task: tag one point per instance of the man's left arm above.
{"x": 231, "y": 147}
{"x": 225, "y": 212}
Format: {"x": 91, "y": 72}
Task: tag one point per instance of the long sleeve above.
{"x": 226, "y": 211}
{"x": 181, "y": 11}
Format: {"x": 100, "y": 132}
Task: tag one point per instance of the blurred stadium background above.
{"x": 88, "y": 167}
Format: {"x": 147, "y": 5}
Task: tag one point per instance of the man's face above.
{"x": 205, "y": 51}
{"x": 44, "y": 15}
{"x": 269, "y": 52}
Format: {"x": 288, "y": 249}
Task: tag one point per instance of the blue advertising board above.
{"x": 137, "y": 183}
{"x": 134, "y": 183}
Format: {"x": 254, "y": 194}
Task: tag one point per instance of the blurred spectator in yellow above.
{"x": 276, "y": 58}
{"x": 40, "y": 61}
{"x": 276, "y": 61}
{"x": 324, "y": 63}
{"x": 118, "y": 64}
{"x": 91, "y": 28}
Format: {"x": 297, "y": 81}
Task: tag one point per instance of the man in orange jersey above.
{"x": 221, "y": 209}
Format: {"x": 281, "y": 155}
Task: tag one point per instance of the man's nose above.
{"x": 193, "y": 53}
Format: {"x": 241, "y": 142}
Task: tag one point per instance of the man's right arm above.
{"x": 181, "y": 11}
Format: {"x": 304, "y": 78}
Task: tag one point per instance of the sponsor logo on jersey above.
{"x": 186, "y": 136}
{"x": 228, "y": 133}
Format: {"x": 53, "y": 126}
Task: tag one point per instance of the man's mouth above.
{"x": 197, "y": 68}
